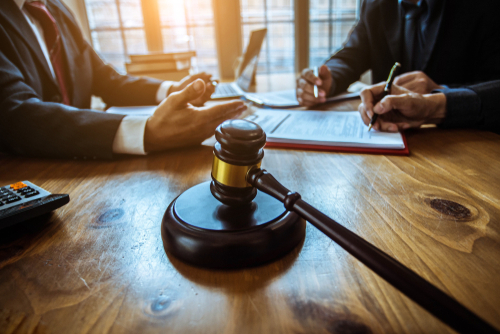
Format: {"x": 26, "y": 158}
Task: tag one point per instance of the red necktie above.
{"x": 53, "y": 41}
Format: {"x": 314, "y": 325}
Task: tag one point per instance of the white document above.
{"x": 288, "y": 99}
{"x": 328, "y": 128}
{"x": 284, "y": 98}
{"x": 133, "y": 111}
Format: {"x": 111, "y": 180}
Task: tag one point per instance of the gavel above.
{"x": 236, "y": 177}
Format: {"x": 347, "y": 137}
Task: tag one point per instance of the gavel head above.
{"x": 239, "y": 148}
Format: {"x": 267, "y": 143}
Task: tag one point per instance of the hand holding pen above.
{"x": 387, "y": 90}
{"x": 313, "y": 85}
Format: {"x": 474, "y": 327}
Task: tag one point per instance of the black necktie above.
{"x": 413, "y": 34}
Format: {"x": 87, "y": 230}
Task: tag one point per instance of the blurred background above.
{"x": 300, "y": 33}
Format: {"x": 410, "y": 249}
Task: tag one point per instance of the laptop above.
{"x": 248, "y": 65}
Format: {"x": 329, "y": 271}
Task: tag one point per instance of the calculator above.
{"x": 23, "y": 200}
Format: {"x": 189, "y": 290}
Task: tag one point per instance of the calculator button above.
{"x": 24, "y": 190}
{"x": 13, "y": 199}
{"x": 31, "y": 194}
{"x": 17, "y": 185}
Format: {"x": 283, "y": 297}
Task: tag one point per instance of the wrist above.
{"x": 149, "y": 137}
{"x": 437, "y": 107}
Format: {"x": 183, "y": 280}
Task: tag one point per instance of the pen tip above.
{"x": 369, "y": 127}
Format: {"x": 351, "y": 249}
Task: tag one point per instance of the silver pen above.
{"x": 315, "y": 71}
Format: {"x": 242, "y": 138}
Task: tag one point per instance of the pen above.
{"x": 387, "y": 90}
{"x": 315, "y": 71}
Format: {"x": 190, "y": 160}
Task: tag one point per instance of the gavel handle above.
{"x": 442, "y": 306}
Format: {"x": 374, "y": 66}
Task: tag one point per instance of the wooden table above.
{"x": 97, "y": 265}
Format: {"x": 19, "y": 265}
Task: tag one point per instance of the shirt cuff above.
{"x": 129, "y": 139}
{"x": 463, "y": 107}
{"x": 162, "y": 91}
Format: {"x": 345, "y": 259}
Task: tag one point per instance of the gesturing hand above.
{"x": 306, "y": 82}
{"x": 209, "y": 88}
{"x": 402, "y": 109}
{"x": 417, "y": 82}
{"x": 176, "y": 122}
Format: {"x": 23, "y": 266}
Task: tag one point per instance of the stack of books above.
{"x": 162, "y": 66}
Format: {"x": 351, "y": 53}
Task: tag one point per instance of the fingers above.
{"x": 364, "y": 116}
{"x": 305, "y": 93}
{"x": 209, "y": 118}
{"x": 391, "y": 102}
{"x": 417, "y": 82}
{"x": 398, "y": 90}
{"x": 309, "y": 89}
{"x": 400, "y": 80}
{"x": 308, "y": 75}
{"x": 395, "y": 127}
{"x": 413, "y": 81}
{"x": 416, "y": 86}
{"x": 223, "y": 110}
{"x": 306, "y": 98}
{"x": 202, "y": 75}
{"x": 369, "y": 98}
{"x": 209, "y": 90}
{"x": 192, "y": 91}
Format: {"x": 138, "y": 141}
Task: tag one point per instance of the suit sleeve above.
{"x": 475, "y": 106}
{"x": 347, "y": 65}
{"x": 120, "y": 90}
{"x": 31, "y": 127}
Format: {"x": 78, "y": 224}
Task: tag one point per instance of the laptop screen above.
{"x": 250, "y": 58}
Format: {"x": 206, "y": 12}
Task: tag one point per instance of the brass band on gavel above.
{"x": 231, "y": 175}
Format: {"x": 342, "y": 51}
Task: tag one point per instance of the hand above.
{"x": 177, "y": 123}
{"x": 209, "y": 88}
{"x": 306, "y": 82}
{"x": 417, "y": 82}
{"x": 402, "y": 109}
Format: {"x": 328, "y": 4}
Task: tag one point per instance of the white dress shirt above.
{"x": 129, "y": 139}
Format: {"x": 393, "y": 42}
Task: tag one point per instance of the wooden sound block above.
{"x": 198, "y": 229}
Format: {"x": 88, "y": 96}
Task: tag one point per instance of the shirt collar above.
{"x": 20, "y": 3}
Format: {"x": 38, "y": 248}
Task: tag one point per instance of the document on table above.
{"x": 288, "y": 99}
{"x": 323, "y": 128}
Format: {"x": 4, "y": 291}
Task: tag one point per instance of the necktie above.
{"x": 413, "y": 36}
{"x": 53, "y": 41}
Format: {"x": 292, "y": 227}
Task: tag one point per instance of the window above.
{"x": 122, "y": 27}
{"x": 277, "y": 53}
{"x": 189, "y": 25}
{"x": 117, "y": 29}
{"x": 330, "y": 23}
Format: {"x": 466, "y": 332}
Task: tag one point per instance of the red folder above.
{"x": 385, "y": 151}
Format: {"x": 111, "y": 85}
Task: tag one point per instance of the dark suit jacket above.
{"x": 32, "y": 121}
{"x": 474, "y": 106}
{"x": 465, "y": 50}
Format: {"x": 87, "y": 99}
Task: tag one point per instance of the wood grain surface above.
{"x": 97, "y": 265}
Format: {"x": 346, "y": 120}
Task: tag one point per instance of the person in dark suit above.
{"x": 48, "y": 73}
{"x": 440, "y": 43}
